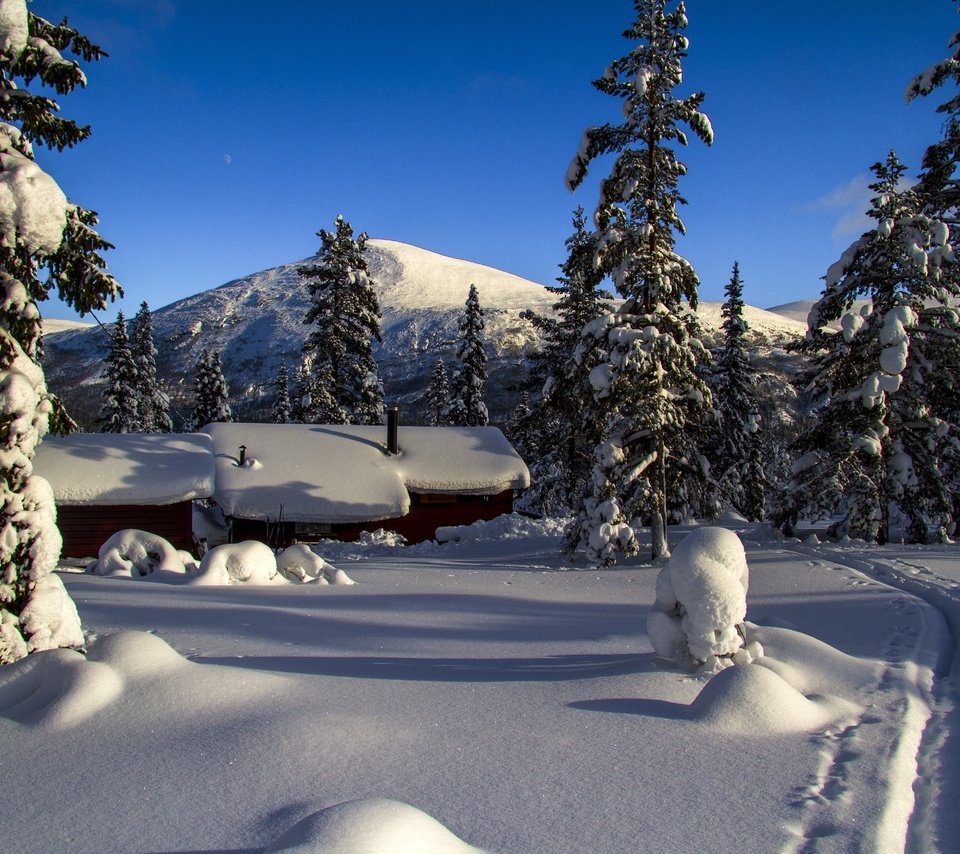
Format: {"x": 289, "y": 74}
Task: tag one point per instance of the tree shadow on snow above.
{"x": 636, "y": 706}
{"x": 554, "y": 668}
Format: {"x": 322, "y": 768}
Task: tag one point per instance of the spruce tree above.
{"x": 281, "y": 399}
{"x": 649, "y": 385}
{"x": 211, "y": 396}
{"x": 438, "y": 396}
{"x": 46, "y": 244}
{"x": 736, "y": 455}
{"x": 345, "y": 309}
{"x": 564, "y": 422}
{"x": 121, "y": 408}
{"x": 469, "y": 385}
{"x": 153, "y": 405}
{"x": 878, "y": 433}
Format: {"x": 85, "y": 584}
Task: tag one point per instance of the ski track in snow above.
{"x": 914, "y": 717}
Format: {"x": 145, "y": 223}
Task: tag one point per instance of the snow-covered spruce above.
{"x": 46, "y": 243}
{"x": 881, "y": 448}
{"x": 648, "y": 385}
{"x": 698, "y": 617}
{"x": 469, "y": 384}
{"x": 153, "y": 403}
{"x": 346, "y": 312}
{"x": 210, "y": 393}
{"x": 121, "y": 407}
{"x": 562, "y": 430}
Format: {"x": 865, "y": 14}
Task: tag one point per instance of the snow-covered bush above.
{"x": 249, "y": 562}
{"x": 701, "y": 603}
{"x": 300, "y": 563}
{"x": 137, "y": 554}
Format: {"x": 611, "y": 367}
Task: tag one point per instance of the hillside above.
{"x": 256, "y": 323}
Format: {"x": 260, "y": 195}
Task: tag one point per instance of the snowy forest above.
{"x": 626, "y": 418}
{"x": 577, "y": 675}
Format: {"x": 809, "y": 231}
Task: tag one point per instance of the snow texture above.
{"x": 332, "y": 473}
{"x": 127, "y": 468}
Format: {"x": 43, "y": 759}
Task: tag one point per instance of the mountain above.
{"x": 257, "y": 323}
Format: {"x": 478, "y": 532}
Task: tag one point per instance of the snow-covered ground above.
{"x": 485, "y": 691}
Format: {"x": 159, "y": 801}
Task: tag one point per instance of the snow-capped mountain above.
{"x": 257, "y": 323}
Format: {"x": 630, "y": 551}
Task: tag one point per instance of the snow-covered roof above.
{"x": 126, "y": 468}
{"x": 335, "y": 473}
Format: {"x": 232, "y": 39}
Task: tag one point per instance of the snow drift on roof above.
{"x": 126, "y": 468}
{"x": 337, "y": 473}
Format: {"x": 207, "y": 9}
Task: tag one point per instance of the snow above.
{"x": 331, "y": 473}
{"x": 127, "y": 468}
{"x": 13, "y": 27}
{"x": 33, "y": 208}
{"x": 249, "y": 562}
{"x": 134, "y": 554}
{"x": 486, "y": 693}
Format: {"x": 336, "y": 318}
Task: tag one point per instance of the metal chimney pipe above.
{"x": 393, "y": 427}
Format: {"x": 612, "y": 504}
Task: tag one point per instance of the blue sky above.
{"x": 226, "y": 132}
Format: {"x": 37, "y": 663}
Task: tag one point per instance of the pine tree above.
{"x": 46, "y": 244}
{"x": 211, "y": 396}
{"x": 438, "y": 396}
{"x": 736, "y": 456}
{"x": 878, "y": 434}
{"x": 121, "y": 409}
{"x": 564, "y": 423}
{"x": 153, "y": 405}
{"x": 345, "y": 309}
{"x": 469, "y": 385}
{"x": 281, "y": 400}
{"x": 649, "y": 385}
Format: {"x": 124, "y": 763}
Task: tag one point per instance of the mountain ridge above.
{"x": 256, "y": 322}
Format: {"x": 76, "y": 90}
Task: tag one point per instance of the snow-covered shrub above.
{"x": 137, "y": 554}
{"x": 249, "y": 562}
{"x": 50, "y": 618}
{"x": 701, "y": 602}
{"x": 300, "y": 563}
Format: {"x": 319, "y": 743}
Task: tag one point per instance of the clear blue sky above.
{"x": 226, "y": 132}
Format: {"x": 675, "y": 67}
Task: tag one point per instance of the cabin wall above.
{"x": 427, "y": 513}
{"x": 85, "y": 528}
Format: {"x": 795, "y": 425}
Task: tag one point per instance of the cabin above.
{"x": 285, "y": 483}
{"x": 104, "y": 482}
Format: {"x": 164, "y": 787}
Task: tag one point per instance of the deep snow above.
{"x": 484, "y": 693}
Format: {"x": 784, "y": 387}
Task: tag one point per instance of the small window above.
{"x": 311, "y": 529}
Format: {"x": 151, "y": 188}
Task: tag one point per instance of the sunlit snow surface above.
{"x": 485, "y": 693}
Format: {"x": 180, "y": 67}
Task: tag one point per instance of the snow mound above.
{"x": 509, "y": 526}
{"x": 249, "y": 562}
{"x": 57, "y": 688}
{"x": 370, "y": 826}
{"x": 810, "y": 665}
{"x": 137, "y": 554}
{"x": 753, "y": 700}
{"x": 701, "y": 601}
{"x": 134, "y": 655}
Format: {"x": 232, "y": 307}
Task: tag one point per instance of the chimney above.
{"x": 393, "y": 426}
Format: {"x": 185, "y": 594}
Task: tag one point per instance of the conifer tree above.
{"x": 345, "y": 309}
{"x": 649, "y": 385}
{"x": 153, "y": 405}
{"x": 211, "y": 396}
{"x": 467, "y": 406}
{"x": 736, "y": 458}
{"x": 878, "y": 434}
{"x": 300, "y": 403}
{"x": 121, "y": 408}
{"x": 46, "y": 244}
{"x": 566, "y": 426}
{"x": 438, "y": 396}
{"x": 281, "y": 400}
